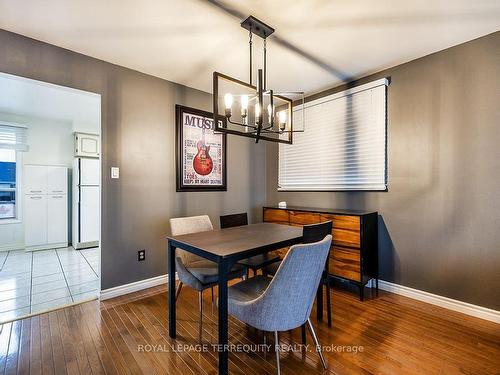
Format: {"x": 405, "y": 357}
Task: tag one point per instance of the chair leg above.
{"x": 178, "y": 291}
{"x": 316, "y": 342}
{"x": 212, "y": 290}
{"x": 200, "y": 305}
{"x": 277, "y": 349}
{"x": 303, "y": 333}
{"x": 328, "y": 303}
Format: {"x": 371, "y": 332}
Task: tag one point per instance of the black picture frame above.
{"x": 180, "y": 110}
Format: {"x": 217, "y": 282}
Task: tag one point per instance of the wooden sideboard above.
{"x": 354, "y": 251}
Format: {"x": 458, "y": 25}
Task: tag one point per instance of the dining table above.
{"x": 225, "y": 247}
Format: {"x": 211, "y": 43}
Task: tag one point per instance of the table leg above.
{"x": 171, "y": 291}
{"x": 223, "y": 325}
{"x": 319, "y": 302}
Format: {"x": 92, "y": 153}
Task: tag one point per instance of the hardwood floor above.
{"x": 397, "y": 335}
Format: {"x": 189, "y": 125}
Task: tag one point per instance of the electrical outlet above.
{"x": 141, "y": 255}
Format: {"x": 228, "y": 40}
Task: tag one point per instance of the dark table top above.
{"x": 239, "y": 240}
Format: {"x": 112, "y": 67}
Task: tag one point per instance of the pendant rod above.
{"x": 250, "y": 45}
{"x": 265, "y": 68}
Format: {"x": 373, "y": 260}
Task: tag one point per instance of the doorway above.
{"x": 50, "y": 189}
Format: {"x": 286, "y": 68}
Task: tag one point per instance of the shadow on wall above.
{"x": 388, "y": 260}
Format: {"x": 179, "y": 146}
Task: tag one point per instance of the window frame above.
{"x": 18, "y": 191}
{"x": 367, "y": 86}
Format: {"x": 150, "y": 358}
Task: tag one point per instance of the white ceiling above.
{"x": 319, "y": 43}
{"x": 27, "y": 97}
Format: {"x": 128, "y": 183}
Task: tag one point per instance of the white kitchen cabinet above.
{"x": 35, "y": 220}
{"x": 35, "y": 179}
{"x": 57, "y": 219}
{"x": 57, "y": 180}
{"x": 46, "y": 207}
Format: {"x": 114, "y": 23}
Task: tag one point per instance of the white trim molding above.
{"x": 447, "y": 303}
{"x": 120, "y": 290}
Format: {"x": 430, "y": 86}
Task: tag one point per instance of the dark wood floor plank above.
{"x": 180, "y": 362}
{"x": 70, "y": 352}
{"x": 13, "y": 351}
{"x": 5, "y": 330}
{"x": 35, "y": 357}
{"x": 94, "y": 342}
{"x": 98, "y": 329}
{"x": 84, "y": 342}
{"x": 24, "y": 347}
{"x": 61, "y": 361}
{"x": 46, "y": 346}
{"x": 133, "y": 339}
{"x": 128, "y": 358}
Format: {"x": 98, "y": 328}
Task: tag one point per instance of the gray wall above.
{"x": 138, "y": 127}
{"x": 440, "y": 220}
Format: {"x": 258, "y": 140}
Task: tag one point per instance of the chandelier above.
{"x": 254, "y": 111}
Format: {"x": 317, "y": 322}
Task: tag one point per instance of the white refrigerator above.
{"x": 86, "y": 203}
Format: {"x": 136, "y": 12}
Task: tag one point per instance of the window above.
{"x": 8, "y": 177}
{"x": 12, "y": 142}
{"x": 343, "y": 146}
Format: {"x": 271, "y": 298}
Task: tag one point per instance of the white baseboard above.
{"x": 12, "y": 247}
{"x": 447, "y": 303}
{"x": 134, "y": 287}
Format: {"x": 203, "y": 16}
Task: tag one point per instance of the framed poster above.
{"x": 200, "y": 152}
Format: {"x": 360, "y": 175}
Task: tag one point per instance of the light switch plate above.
{"x": 115, "y": 172}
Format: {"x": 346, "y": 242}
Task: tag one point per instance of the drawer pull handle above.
{"x": 35, "y": 191}
{"x": 57, "y": 191}
{"x": 35, "y": 197}
{"x": 57, "y": 196}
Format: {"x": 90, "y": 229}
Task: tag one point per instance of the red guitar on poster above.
{"x": 202, "y": 162}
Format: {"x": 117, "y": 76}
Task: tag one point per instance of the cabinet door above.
{"x": 57, "y": 180}
{"x": 272, "y": 215}
{"x": 57, "y": 218}
{"x": 35, "y": 220}
{"x": 35, "y": 179}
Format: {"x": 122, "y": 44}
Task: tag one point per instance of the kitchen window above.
{"x": 8, "y": 184}
{"x": 344, "y": 145}
{"x": 13, "y": 141}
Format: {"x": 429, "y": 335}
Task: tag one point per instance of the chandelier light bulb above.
{"x": 244, "y": 106}
{"x": 228, "y": 101}
{"x": 257, "y": 113}
{"x": 270, "y": 112}
{"x": 282, "y": 119}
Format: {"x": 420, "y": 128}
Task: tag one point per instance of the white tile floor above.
{"x": 32, "y": 282}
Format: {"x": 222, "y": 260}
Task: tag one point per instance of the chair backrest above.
{"x": 288, "y": 300}
{"x": 316, "y": 232}
{"x": 186, "y": 225}
{"x": 233, "y": 220}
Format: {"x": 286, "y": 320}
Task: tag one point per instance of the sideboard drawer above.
{"x": 345, "y": 237}
{"x": 342, "y": 221}
{"x": 276, "y": 216}
{"x": 345, "y": 262}
{"x": 304, "y": 218}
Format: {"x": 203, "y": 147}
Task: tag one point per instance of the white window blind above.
{"x": 343, "y": 146}
{"x": 13, "y": 137}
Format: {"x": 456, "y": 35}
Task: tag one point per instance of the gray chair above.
{"x": 285, "y": 301}
{"x": 194, "y": 271}
{"x": 313, "y": 233}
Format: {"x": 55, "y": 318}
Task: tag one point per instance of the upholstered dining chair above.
{"x": 194, "y": 271}
{"x": 313, "y": 233}
{"x": 283, "y": 302}
{"x": 256, "y": 262}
